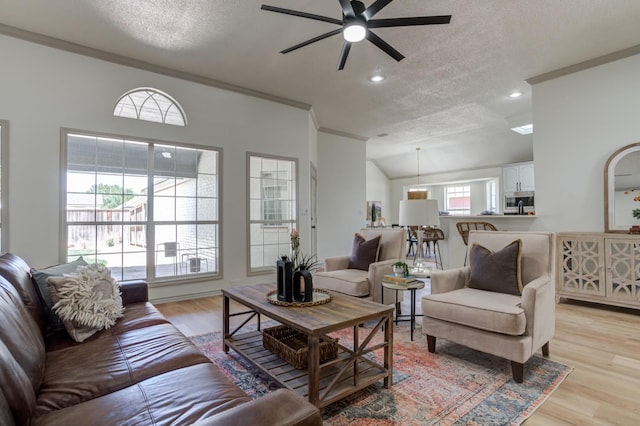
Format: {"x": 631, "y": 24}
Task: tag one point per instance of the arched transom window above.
{"x": 146, "y": 103}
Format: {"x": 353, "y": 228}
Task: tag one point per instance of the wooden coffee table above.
{"x": 323, "y": 383}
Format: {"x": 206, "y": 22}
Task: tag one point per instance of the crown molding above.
{"x": 591, "y": 63}
{"x": 146, "y": 66}
{"x": 342, "y": 134}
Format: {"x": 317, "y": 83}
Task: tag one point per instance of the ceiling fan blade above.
{"x": 347, "y": 9}
{"x": 403, "y": 22}
{"x": 346, "y": 47}
{"x": 313, "y": 40}
{"x": 375, "y": 7}
{"x": 384, "y": 46}
{"x": 301, "y": 14}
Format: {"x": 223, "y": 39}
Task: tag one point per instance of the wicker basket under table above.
{"x": 291, "y": 345}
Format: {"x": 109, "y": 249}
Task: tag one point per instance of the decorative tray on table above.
{"x": 320, "y": 297}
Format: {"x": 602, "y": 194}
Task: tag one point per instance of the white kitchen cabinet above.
{"x": 518, "y": 178}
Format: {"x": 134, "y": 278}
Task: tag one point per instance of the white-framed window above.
{"x": 458, "y": 200}
{"x": 149, "y": 104}
{"x": 491, "y": 190}
{"x": 272, "y": 215}
{"x": 145, "y": 209}
{"x": 4, "y": 182}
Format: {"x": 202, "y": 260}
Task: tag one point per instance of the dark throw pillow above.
{"x": 40, "y": 277}
{"x": 364, "y": 252}
{"x": 498, "y": 271}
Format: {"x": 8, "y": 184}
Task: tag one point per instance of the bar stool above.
{"x": 431, "y": 234}
{"x": 412, "y": 239}
{"x": 465, "y": 227}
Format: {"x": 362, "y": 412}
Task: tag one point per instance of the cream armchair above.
{"x": 355, "y": 282}
{"x": 505, "y": 325}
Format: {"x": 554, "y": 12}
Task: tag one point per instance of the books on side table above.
{"x": 393, "y": 279}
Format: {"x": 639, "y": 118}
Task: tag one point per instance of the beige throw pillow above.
{"x": 86, "y": 302}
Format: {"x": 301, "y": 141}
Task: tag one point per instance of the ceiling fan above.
{"x": 356, "y": 25}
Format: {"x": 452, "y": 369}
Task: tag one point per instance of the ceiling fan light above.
{"x": 354, "y": 32}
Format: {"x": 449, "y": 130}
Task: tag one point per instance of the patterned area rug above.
{"x": 455, "y": 386}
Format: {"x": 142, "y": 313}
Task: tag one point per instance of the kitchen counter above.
{"x": 489, "y": 216}
{"x": 452, "y": 248}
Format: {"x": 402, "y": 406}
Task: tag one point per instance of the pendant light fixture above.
{"x": 416, "y": 211}
{"x": 417, "y": 193}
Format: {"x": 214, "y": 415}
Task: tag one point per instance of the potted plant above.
{"x": 401, "y": 269}
{"x": 635, "y": 229}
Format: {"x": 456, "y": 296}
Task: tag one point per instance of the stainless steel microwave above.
{"x": 519, "y": 203}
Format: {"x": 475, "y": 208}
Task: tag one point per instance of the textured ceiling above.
{"x": 449, "y": 96}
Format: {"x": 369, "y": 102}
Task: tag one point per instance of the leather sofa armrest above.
{"x": 538, "y": 302}
{"x": 449, "y": 280}
{"x": 336, "y": 263}
{"x": 282, "y": 407}
{"x": 134, "y": 291}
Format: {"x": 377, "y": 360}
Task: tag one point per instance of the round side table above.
{"x": 412, "y": 288}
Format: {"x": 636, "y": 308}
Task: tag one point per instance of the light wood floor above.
{"x": 601, "y": 343}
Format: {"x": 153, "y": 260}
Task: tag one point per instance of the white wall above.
{"x": 378, "y": 190}
{"x": 580, "y": 120}
{"x": 43, "y": 90}
{"x": 341, "y": 193}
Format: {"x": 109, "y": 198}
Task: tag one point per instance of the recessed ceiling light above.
{"x": 527, "y": 129}
{"x": 515, "y": 94}
{"x": 377, "y": 78}
{"x": 166, "y": 154}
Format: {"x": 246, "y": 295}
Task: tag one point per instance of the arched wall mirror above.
{"x": 621, "y": 186}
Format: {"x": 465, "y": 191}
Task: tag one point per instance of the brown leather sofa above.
{"x": 142, "y": 371}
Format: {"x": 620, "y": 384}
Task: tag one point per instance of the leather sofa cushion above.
{"x": 136, "y": 315}
{"x": 21, "y": 335}
{"x": 485, "y": 310}
{"x": 17, "y": 398}
{"x": 159, "y": 400}
{"x": 353, "y": 282}
{"x": 93, "y": 369}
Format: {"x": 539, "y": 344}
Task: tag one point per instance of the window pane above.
{"x": 135, "y": 184}
{"x": 458, "y": 200}
{"x": 164, "y": 208}
{"x": 151, "y": 105}
{"x": 185, "y": 209}
{"x": 167, "y": 255}
{"x": 272, "y": 205}
{"x": 186, "y": 187}
{"x": 81, "y": 240}
{"x": 108, "y": 213}
{"x": 207, "y": 209}
{"x": 207, "y": 185}
{"x": 135, "y": 237}
{"x": 208, "y": 244}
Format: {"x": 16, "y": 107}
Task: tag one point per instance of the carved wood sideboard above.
{"x": 599, "y": 267}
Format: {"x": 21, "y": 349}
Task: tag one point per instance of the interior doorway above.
{"x": 313, "y": 211}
